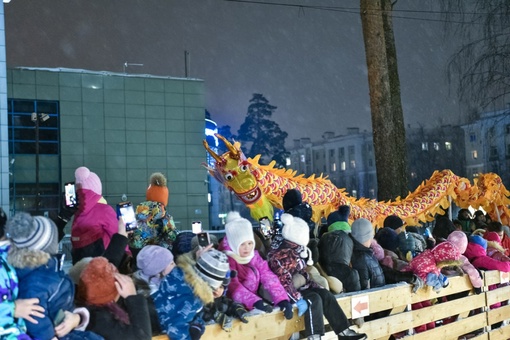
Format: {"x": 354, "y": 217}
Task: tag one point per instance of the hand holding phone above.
{"x": 203, "y": 239}
{"x": 70, "y": 195}
{"x": 126, "y": 211}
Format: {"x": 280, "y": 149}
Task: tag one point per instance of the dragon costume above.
{"x": 261, "y": 187}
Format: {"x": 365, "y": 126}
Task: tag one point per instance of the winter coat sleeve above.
{"x": 44, "y": 328}
{"x": 471, "y": 271}
{"x": 359, "y": 263}
{"x": 138, "y": 310}
{"x": 238, "y": 292}
{"x": 115, "y": 251}
{"x": 283, "y": 264}
{"x": 270, "y": 282}
{"x": 109, "y": 224}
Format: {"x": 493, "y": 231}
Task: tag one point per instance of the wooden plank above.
{"x": 502, "y": 333}
{"x": 491, "y": 277}
{"x": 453, "y": 330}
{"x": 498, "y": 314}
{"x": 498, "y": 295}
{"x": 457, "y": 284}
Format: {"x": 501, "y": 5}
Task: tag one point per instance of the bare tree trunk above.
{"x": 387, "y": 116}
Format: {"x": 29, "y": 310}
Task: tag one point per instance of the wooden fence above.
{"x": 471, "y": 313}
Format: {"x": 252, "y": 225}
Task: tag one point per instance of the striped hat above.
{"x": 33, "y": 232}
{"x": 212, "y": 266}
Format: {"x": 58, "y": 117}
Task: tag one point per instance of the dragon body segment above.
{"x": 262, "y": 187}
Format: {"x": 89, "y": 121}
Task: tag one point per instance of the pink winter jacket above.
{"x": 93, "y": 220}
{"x": 243, "y": 288}
{"x": 477, "y": 255}
{"x": 431, "y": 260}
{"x": 460, "y": 241}
{"x": 494, "y": 247}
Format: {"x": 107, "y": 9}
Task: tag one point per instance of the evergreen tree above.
{"x": 260, "y": 135}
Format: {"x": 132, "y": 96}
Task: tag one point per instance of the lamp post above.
{"x": 36, "y": 118}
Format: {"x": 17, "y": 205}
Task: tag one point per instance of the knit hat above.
{"x": 478, "y": 240}
{"x": 33, "y": 232}
{"x": 238, "y": 230}
{"x": 88, "y": 180}
{"x": 362, "y": 230}
{"x": 459, "y": 240}
{"x": 344, "y": 211}
{"x": 157, "y": 190}
{"x": 213, "y": 267}
{"x": 152, "y": 260}
{"x": 393, "y": 221}
{"x": 387, "y": 238}
{"x": 296, "y": 230}
{"x": 97, "y": 282}
{"x": 292, "y": 198}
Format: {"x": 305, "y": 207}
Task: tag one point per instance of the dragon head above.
{"x": 234, "y": 171}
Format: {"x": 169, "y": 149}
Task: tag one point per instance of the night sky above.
{"x": 309, "y": 63}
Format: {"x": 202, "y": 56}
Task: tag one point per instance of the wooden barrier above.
{"x": 469, "y": 313}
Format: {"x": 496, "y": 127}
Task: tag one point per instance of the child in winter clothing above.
{"x": 155, "y": 225}
{"x": 476, "y": 253}
{"x": 494, "y": 248}
{"x": 186, "y": 290}
{"x": 252, "y": 271}
{"x": 13, "y": 311}
{"x": 154, "y": 263}
{"x": 95, "y": 222}
{"x": 33, "y": 242}
{"x": 312, "y": 300}
{"x": 460, "y": 241}
{"x": 100, "y": 289}
{"x": 363, "y": 260}
{"x": 505, "y": 240}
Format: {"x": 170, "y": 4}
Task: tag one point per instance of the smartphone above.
{"x": 70, "y": 195}
{"x": 196, "y": 227}
{"x": 126, "y": 211}
{"x": 203, "y": 239}
{"x": 59, "y": 318}
{"x": 265, "y": 226}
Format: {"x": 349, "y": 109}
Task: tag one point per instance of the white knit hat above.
{"x": 296, "y": 230}
{"x": 238, "y": 230}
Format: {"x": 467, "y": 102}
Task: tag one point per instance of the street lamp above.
{"x": 36, "y": 118}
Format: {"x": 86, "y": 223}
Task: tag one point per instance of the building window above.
{"x": 354, "y": 193}
{"x": 342, "y": 166}
{"x": 508, "y": 149}
{"x": 447, "y": 145}
{"x": 351, "y": 151}
{"x": 472, "y": 137}
{"x": 413, "y": 175}
{"x": 288, "y": 161}
{"x": 436, "y": 146}
{"x": 474, "y": 154}
{"x": 493, "y": 153}
{"x": 507, "y": 129}
{"x": 332, "y": 153}
{"x": 425, "y": 146}
{"x": 352, "y": 164}
{"x": 22, "y": 130}
{"x": 370, "y": 162}
{"x": 333, "y": 167}
{"x": 302, "y": 158}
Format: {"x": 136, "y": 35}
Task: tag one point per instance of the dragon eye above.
{"x": 243, "y": 168}
{"x": 229, "y": 176}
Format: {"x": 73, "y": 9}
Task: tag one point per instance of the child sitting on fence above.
{"x": 254, "y": 280}
{"x": 312, "y": 300}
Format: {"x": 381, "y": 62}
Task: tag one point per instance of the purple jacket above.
{"x": 243, "y": 288}
{"x": 93, "y": 220}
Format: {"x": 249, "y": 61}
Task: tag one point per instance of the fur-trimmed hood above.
{"x": 200, "y": 288}
{"x": 27, "y": 258}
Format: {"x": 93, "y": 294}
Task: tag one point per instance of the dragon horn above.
{"x": 234, "y": 153}
{"x": 211, "y": 152}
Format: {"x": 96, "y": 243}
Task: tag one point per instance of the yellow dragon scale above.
{"x": 255, "y": 184}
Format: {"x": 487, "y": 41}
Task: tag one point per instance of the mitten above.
{"x": 478, "y": 290}
{"x": 434, "y": 281}
{"x": 417, "y": 283}
{"x": 444, "y": 280}
{"x": 262, "y": 306}
{"x": 196, "y": 329}
{"x": 302, "y": 306}
{"x": 286, "y": 307}
{"x": 239, "y": 312}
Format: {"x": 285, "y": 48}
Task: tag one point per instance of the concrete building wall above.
{"x": 124, "y": 128}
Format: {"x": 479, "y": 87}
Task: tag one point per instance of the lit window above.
{"x": 353, "y": 164}
{"x": 354, "y": 193}
{"x": 372, "y": 192}
{"x": 447, "y": 145}
{"x": 424, "y": 146}
{"x": 333, "y": 167}
{"x": 342, "y": 166}
{"x": 302, "y": 157}
{"x": 413, "y": 174}
{"x": 288, "y": 161}
{"x": 436, "y": 146}
{"x": 474, "y": 154}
